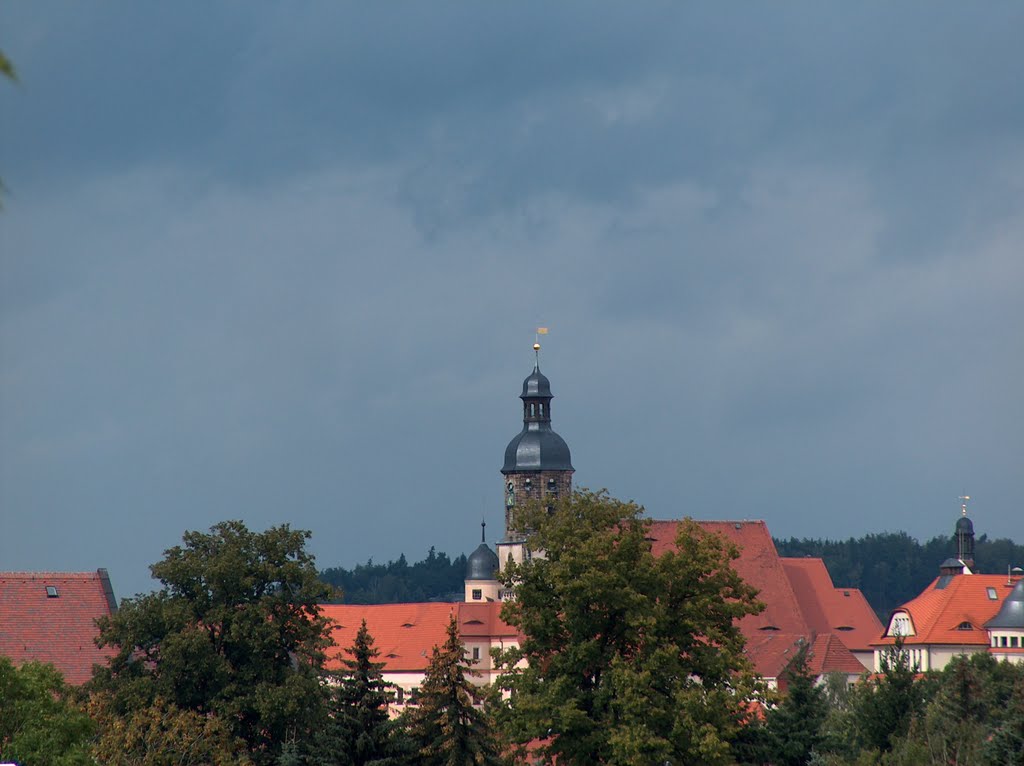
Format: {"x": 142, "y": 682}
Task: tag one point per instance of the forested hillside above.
{"x": 892, "y": 567}
{"x": 436, "y": 578}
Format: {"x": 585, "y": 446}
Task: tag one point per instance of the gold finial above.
{"x": 963, "y": 504}
{"x": 536, "y": 347}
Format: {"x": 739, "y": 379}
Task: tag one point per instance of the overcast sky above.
{"x": 283, "y": 262}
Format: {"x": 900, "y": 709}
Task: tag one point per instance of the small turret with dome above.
{"x": 481, "y": 571}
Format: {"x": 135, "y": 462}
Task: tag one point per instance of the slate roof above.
{"x": 949, "y": 602}
{"x": 60, "y": 629}
{"x": 1011, "y": 613}
{"x": 828, "y": 609}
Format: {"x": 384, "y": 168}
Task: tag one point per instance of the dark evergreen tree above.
{"x": 885, "y": 706}
{"x": 446, "y": 728}
{"x": 1005, "y": 746}
{"x": 360, "y": 732}
{"x": 794, "y": 727}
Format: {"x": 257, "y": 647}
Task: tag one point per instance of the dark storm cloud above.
{"x": 283, "y": 262}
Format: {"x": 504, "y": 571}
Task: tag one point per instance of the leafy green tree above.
{"x": 359, "y": 731}
{"x": 39, "y": 722}
{"x": 446, "y": 728}
{"x": 235, "y": 631}
{"x": 626, "y": 657}
{"x": 794, "y": 727}
{"x": 162, "y": 735}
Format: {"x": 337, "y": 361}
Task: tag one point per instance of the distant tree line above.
{"x": 436, "y": 578}
{"x": 891, "y": 568}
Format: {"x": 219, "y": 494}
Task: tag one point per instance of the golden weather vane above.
{"x": 536, "y": 343}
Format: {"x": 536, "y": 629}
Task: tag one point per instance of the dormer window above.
{"x": 965, "y": 626}
{"x": 900, "y": 625}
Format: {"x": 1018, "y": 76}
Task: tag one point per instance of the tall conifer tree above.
{"x": 360, "y": 732}
{"x": 446, "y": 728}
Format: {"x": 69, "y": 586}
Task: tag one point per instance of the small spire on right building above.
{"x": 965, "y": 535}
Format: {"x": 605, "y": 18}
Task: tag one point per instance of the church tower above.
{"x": 537, "y": 461}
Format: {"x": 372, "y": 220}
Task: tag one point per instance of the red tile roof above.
{"x": 403, "y": 633}
{"x": 483, "y": 620}
{"x": 800, "y": 601}
{"x": 937, "y": 612}
{"x": 827, "y": 609}
{"x": 61, "y": 629}
{"x": 829, "y": 654}
{"x": 759, "y": 565}
{"x": 772, "y": 634}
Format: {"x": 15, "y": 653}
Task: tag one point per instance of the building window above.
{"x": 965, "y": 626}
{"x": 400, "y": 696}
{"x": 477, "y": 594}
{"x": 1013, "y": 642}
{"x": 1002, "y": 640}
{"x": 51, "y": 591}
{"x": 992, "y": 595}
{"x": 476, "y": 652}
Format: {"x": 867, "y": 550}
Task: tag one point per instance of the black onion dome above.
{"x": 1011, "y": 614}
{"x": 965, "y": 525}
{"x": 536, "y": 385}
{"x": 538, "y": 449}
{"x": 482, "y": 563}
